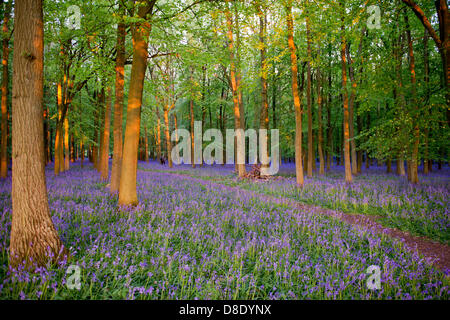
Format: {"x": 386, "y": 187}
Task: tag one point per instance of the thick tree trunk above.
{"x": 118, "y": 104}
{"x": 33, "y": 236}
{"x": 296, "y": 96}
{"x": 4, "y": 100}
{"x": 127, "y": 190}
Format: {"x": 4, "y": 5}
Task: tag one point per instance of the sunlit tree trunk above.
{"x": 4, "y": 100}
{"x": 33, "y": 236}
{"x": 104, "y": 168}
{"x": 351, "y": 114}
{"x": 127, "y": 190}
{"x": 118, "y": 104}
{"x": 296, "y": 96}
{"x": 309, "y": 101}
{"x": 66, "y": 144}
{"x": 264, "y": 112}
{"x": 167, "y": 133}
{"x": 347, "y": 163}
{"x": 238, "y": 117}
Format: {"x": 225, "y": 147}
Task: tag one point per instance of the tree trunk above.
{"x": 347, "y": 163}
{"x": 4, "y": 100}
{"x": 309, "y": 102}
{"x": 320, "y": 133}
{"x": 66, "y": 144}
{"x": 33, "y": 236}
{"x": 414, "y": 178}
{"x": 127, "y": 190}
{"x": 158, "y": 133}
{"x": 118, "y": 104}
{"x": 351, "y": 113}
{"x": 191, "y": 112}
{"x": 167, "y": 132}
{"x": 264, "y": 112}
{"x": 296, "y": 96}
{"x": 104, "y": 166}
{"x": 238, "y": 117}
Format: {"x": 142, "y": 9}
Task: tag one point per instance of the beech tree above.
{"x": 34, "y": 239}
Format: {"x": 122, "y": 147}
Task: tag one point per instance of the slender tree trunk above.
{"x": 296, "y": 96}
{"x": 82, "y": 152}
{"x": 351, "y": 113}
{"x": 127, "y": 190}
{"x": 320, "y": 133}
{"x": 427, "y": 99}
{"x": 33, "y": 236}
{"x": 347, "y": 163}
{"x": 158, "y": 133}
{"x": 4, "y": 100}
{"x": 167, "y": 132}
{"x": 66, "y": 144}
{"x": 146, "y": 158}
{"x": 104, "y": 167}
{"x": 118, "y": 104}
{"x": 191, "y": 112}
{"x": 414, "y": 177}
{"x": 264, "y": 112}
{"x": 238, "y": 116}
{"x": 309, "y": 101}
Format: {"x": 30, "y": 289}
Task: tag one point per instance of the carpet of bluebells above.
{"x": 422, "y": 209}
{"x": 190, "y": 240}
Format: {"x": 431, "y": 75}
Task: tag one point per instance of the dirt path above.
{"x": 437, "y": 253}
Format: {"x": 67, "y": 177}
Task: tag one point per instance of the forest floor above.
{"x": 436, "y": 252}
{"x": 202, "y": 233}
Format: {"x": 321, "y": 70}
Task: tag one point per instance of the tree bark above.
{"x": 127, "y": 189}
{"x": 34, "y": 239}
{"x": 264, "y": 112}
{"x": 4, "y": 99}
{"x": 118, "y": 103}
{"x": 414, "y": 177}
{"x": 296, "y": 96}
{"x": 309, "y": 101}
{"x": 104, "y": 167}
{"x": 347, "y": 163}
{"x": 238, "y": 117}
